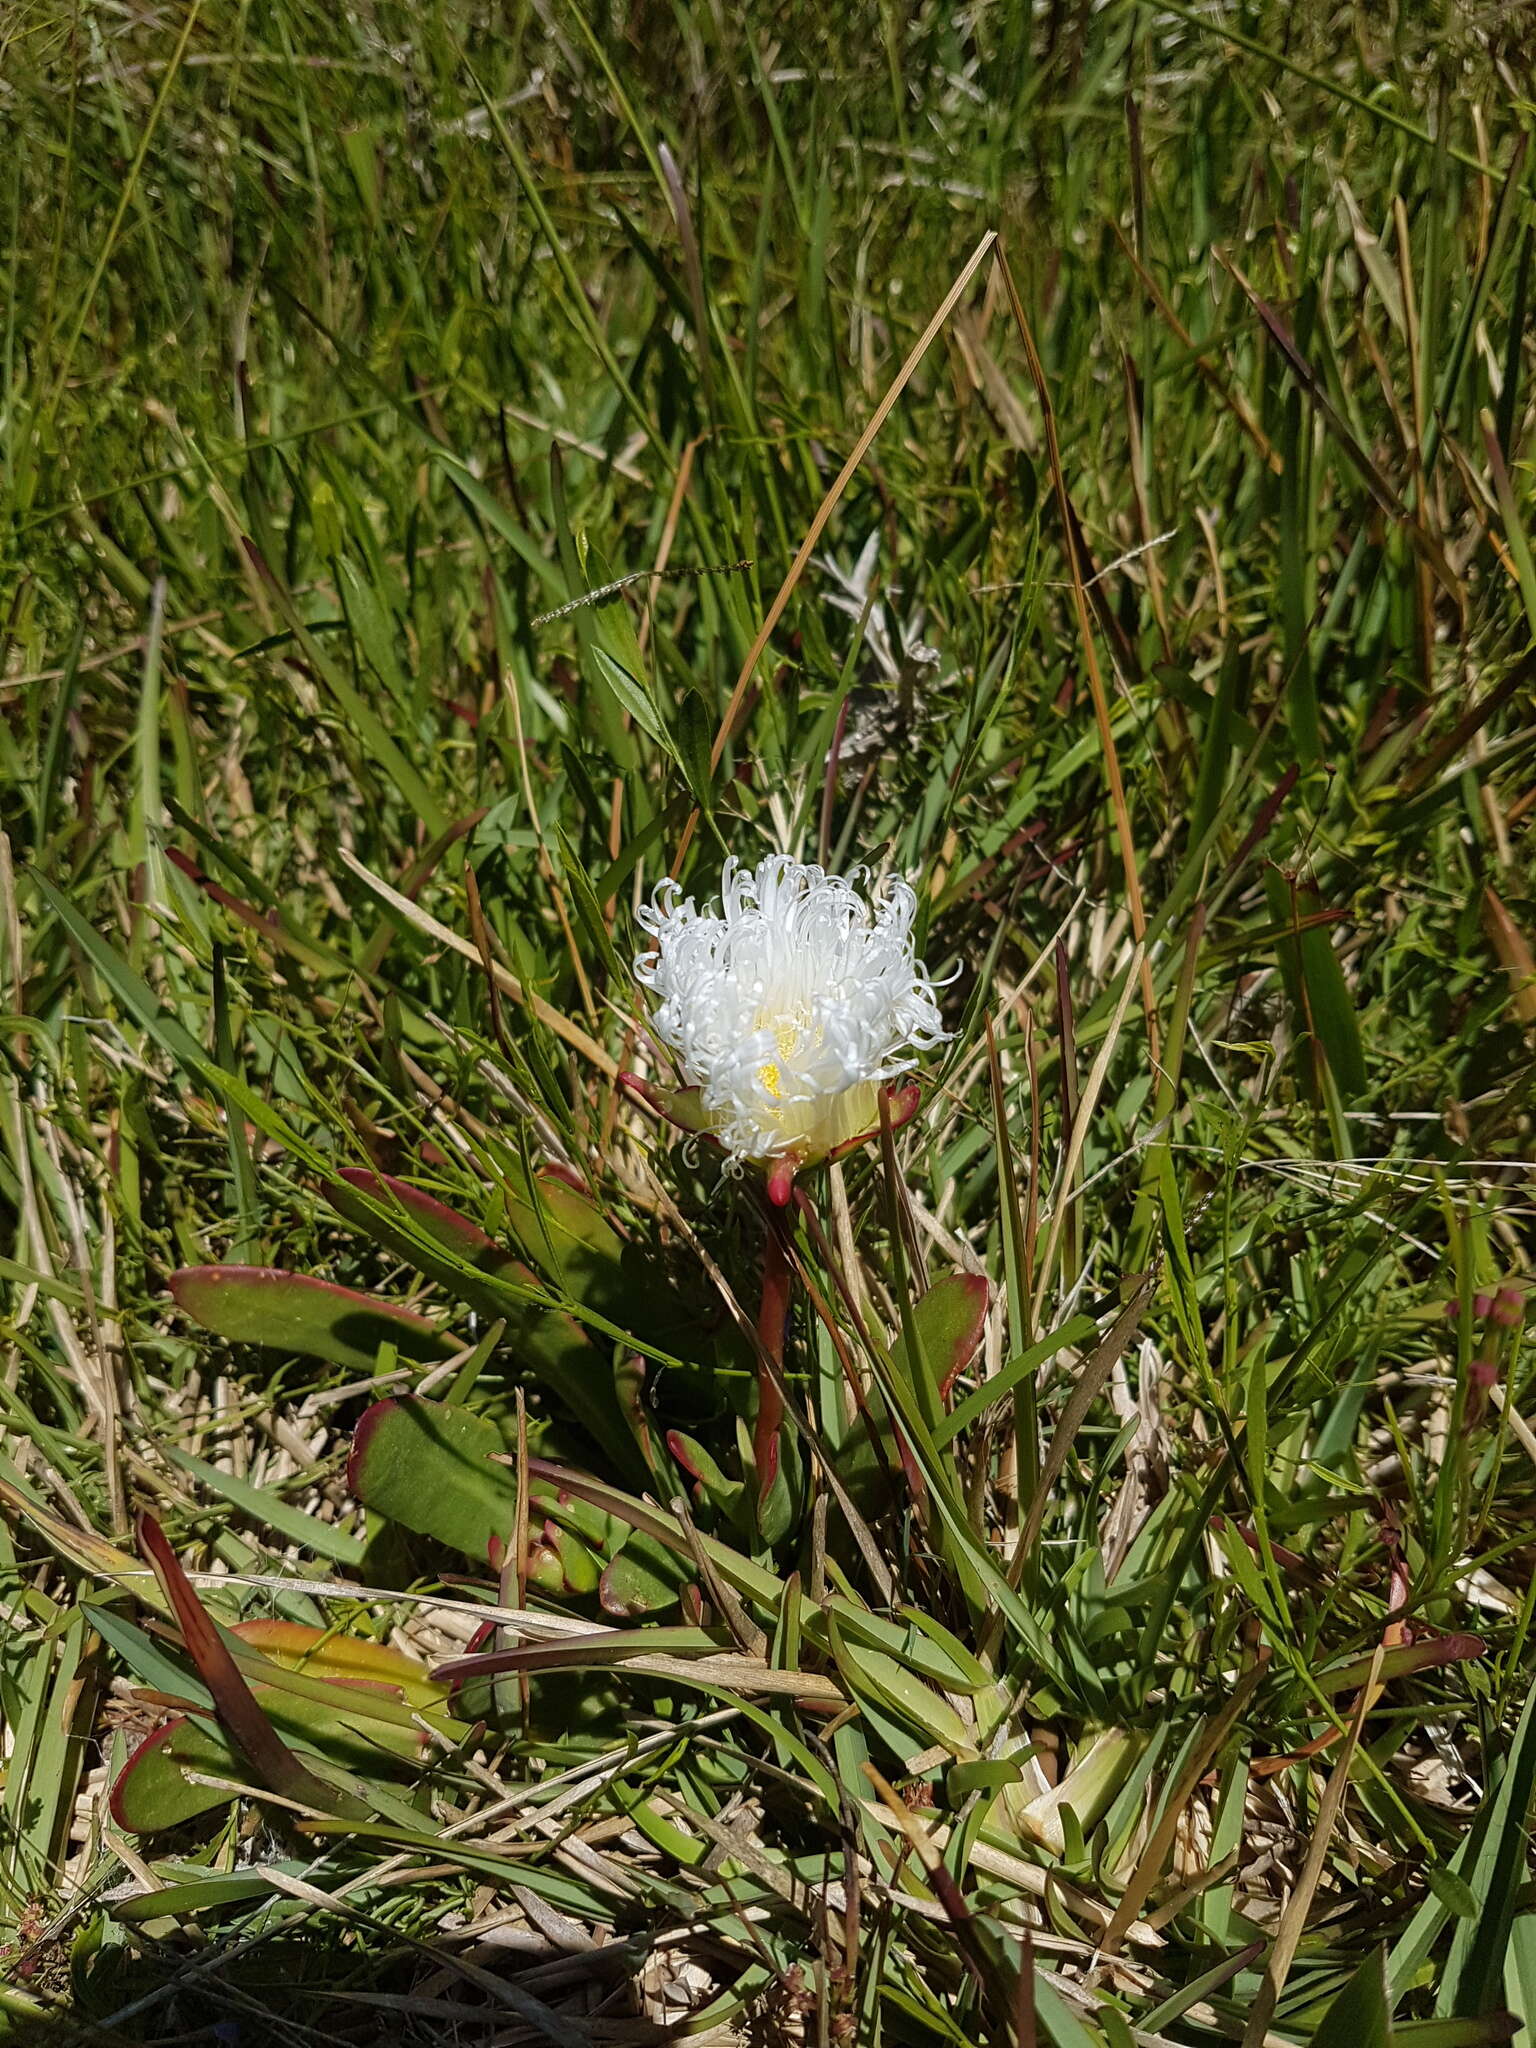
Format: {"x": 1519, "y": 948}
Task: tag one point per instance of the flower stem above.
{"x": 772, "y": 1318}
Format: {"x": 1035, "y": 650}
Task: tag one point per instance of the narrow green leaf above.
{"x": 270, "y": 1511}
{"x": 1474, "y": 1974}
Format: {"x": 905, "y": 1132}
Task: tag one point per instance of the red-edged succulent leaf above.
{"x": 543, "y": 1570}
{"x": 950, "y": 1319}
{"x": 701, "y": 1467}
{"x": 416, "y": 1226}
{"x": 324, "y": 1653}
{"x": 441, "y": 1471}
{"x": 561, "y": 1564}
{"x": 556, "y": 1169}
{"x": 445, "y": 1226}
{"x": 904, "y": 1102}
{"x": 622, "y": 1507}
{"x": 689, "y": 1455}
{"x": 355, "y": 1722}
{"x": 152, "y": 1790}
{"x": 562, "y": 1229}
{"x": 559, "y": 1227}
{"x": 642, "y": 1516}
{"x": 239, "y": 1712}
{"x": 296, "y": 1312}
{"x": 629, "y": 1390}
{"x": 643, "y": 1579}
{"x": 431, "y": 1468}
{"x": 682, "y": 1107}
{"x": 157, "y": 1787}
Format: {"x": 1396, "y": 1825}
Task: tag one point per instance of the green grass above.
{"x": 1176, "y": 1684}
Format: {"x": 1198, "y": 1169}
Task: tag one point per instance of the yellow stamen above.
{"x": 770, "y": 1078}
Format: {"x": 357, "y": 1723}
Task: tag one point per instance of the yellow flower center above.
{"x": 787, "y": 1032}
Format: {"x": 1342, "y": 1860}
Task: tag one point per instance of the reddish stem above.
{"x": 771, "y": 1320}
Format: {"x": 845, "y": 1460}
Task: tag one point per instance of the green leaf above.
{"x": 1402, "y": 1662}
{"x": 501, "y": 523}
{"x": 1359, "y": 2016}
{"x": 751, "y": 1580}
{"x": 893, "y": 1687}
{"x": 1453, "y": 1891}
{"x": 631, "y": 693}
{"x": 1057, "y": 2021}
{"x": 1329, "y": 1001}
{"x": 141, "y": 1003}
{"x": 725, "y": 1493}
{"x": 1520, "y": 1968}
{"x": 361, "y": 1725}
{"x": 205, "y": 1893}
{"x": 372, "y": 627}
{"x": 1486, "y": 2032}
{"x": 146, "y": 1660}
{"x": 987, "y": 1774}
{"x": 1318, "y": 984}
{"x": 561, "y": 1564}
{"x": 563, "y": 1231}
{"x": 371, "y": 731}
{"x": 153, "y": 1790}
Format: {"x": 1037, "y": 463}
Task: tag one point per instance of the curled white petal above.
{"x": 791, "y": 1006}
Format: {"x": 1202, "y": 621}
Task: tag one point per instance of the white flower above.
{"x": 790, "y": 1010}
